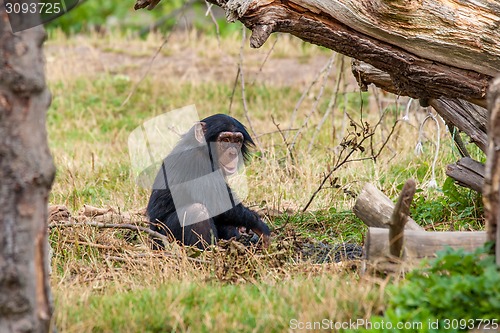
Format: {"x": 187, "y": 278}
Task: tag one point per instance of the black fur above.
{"x": 189, "y": 161}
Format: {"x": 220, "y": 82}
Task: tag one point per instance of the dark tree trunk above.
{"x": 491, "y": 191}
{"x": 26, "y": 175}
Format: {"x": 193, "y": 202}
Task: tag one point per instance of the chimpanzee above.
{"x": 191, "y": 199}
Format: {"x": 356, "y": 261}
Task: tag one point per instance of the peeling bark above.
{"x": 26, "y": 174}
{"x": 395, "y": 38}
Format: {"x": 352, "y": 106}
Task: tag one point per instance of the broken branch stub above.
{"x": 399, "y": 217}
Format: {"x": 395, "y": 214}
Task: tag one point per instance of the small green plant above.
{"x": 456, "y": 292}
{"x": 453, "y": 203}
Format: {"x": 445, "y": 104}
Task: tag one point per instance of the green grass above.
{"x": 230, "y": 290}
{"x": 206, "y": 306}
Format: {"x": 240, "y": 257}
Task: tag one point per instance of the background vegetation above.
{"x": 113, "y": 75}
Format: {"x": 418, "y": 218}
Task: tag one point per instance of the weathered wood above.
{"x": 375, "y": 209}
{"x": 26, "y": 174}
{"x": 367, "y": 74}
{"x": 421, "y": 244}
{"x": 419, "y": 71}
{"x": 491, "y": 191}
{"x": 399, "y": 217}
{"x": 414, "y": 42}
{"x": 468, "y": 173}
{"x": 427, "y": 28}
{"x": 467, "y": 117}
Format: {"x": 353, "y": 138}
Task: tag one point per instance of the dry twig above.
{"x": 109, "y": 225}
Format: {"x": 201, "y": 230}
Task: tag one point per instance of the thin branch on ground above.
{"x": 136, "y": 257}
{"x": 97, "y": 246}
{"x": 339, "y": 164}
{"x": 375, "y": 156}
{"x": 351, "y": 146}
{"x": 111, "y": 226}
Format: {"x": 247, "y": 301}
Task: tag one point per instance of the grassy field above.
{"x": 105, "y": 86}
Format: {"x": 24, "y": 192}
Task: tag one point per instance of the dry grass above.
{"x": 229, "y": 289}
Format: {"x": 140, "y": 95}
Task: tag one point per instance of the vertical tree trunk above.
{"x": 491, "y": 191}
{"x": 26, "y": 174}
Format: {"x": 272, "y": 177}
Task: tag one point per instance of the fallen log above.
{"x": 467, "y": 173}
{"x": 375, "y": 209}
{"x": 420, "y": 244}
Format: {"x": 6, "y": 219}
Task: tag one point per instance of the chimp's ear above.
{"x": 199, "y": 131}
